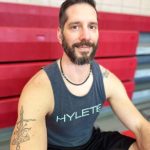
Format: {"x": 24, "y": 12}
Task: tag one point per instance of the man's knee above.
{"x": 133, "y": 146}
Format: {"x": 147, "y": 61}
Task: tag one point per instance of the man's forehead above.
{"x": 80, "y": 11}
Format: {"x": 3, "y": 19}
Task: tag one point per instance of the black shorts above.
{"x": 102, "y": 141}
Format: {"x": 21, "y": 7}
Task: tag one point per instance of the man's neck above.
{"x": 75, "y": 73}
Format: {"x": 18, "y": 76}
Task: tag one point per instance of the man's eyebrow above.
{"x": 72, "y": 23}
{"x": 93, "y": 23}
{"x": 77, "y": 22}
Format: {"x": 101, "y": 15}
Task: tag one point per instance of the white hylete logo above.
{"x": 76, "y": 115}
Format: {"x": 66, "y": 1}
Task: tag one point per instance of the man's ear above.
{"x": 59, "y": 35}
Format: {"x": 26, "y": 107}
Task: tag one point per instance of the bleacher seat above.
{"x": 8, "y": 112}
{"x": 30, "y": 42}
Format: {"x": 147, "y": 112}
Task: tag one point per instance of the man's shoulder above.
{"x": 38, "y": 85}
{"x": 105, "y": 72}
{"x": 39, "y": 80}
{"x": 37, "y": 92}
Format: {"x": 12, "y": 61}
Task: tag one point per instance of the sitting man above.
{"x": 59, "y": 105}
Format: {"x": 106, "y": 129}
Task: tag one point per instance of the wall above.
{"x": 140, "y": 7}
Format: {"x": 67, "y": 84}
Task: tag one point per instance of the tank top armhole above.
{"x": 100, "y": 81}
{"x": 50, "y": 74}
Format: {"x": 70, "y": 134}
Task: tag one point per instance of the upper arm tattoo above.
{"x": 21, "y": 133}
{"x": 105, "y": 73}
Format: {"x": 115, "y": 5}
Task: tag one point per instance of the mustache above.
{"x": 83, "y": 43}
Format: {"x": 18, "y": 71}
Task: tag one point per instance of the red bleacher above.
{"x": 14, "y": 76}
{"x": 128, "y": 133}
{"x": 113, "y": 43}
{"x": 16, "y": 15}
{"x": 28, "y": 41}
{"x": 124, "y": 67}
{"x": 8, "y": 112}
{"x": 116, "y": 21}
{"x": 27, "y": 44}
{"x": 129, "y": 86}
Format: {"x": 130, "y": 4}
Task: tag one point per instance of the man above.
{"x": 59, "y": 105}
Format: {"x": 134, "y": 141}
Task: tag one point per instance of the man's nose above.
{"x": 85, "y": 34}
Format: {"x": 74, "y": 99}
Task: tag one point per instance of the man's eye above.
{"x": 75, "y": 27}
{"x": 93, "y": 27}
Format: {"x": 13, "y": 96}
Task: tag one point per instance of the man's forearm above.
{"x": 143, "y": 137}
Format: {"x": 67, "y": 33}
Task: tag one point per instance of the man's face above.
{"x": 80, "y": 33}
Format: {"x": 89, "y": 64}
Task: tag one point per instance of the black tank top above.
{"x": 71, "y": 123}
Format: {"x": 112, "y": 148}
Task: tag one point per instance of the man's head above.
{"x": 62, "y": 13}
{"x": 78, "y": 30}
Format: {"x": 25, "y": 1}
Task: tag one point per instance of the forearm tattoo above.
{"x": 21, "y": 133}
{"x": 105, "y": 74}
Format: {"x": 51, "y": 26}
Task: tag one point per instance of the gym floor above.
{"x": 106, "y": 121}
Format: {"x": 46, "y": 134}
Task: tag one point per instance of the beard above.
{"x": 85, "y": 58}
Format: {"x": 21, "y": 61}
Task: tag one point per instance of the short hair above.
{"x": 67, "y": 3}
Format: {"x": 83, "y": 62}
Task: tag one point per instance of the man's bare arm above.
{"x": 126, "y": 111}
{"x": 34, "y": 103}
{"x": 22, "y": 132}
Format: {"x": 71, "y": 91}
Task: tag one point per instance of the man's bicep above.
{"x": 29, "y": 133}
{"x": 30, "y": 129}
{"x": 23, "y": 129}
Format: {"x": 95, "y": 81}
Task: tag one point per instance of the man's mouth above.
{"x": 84, "y": 48}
